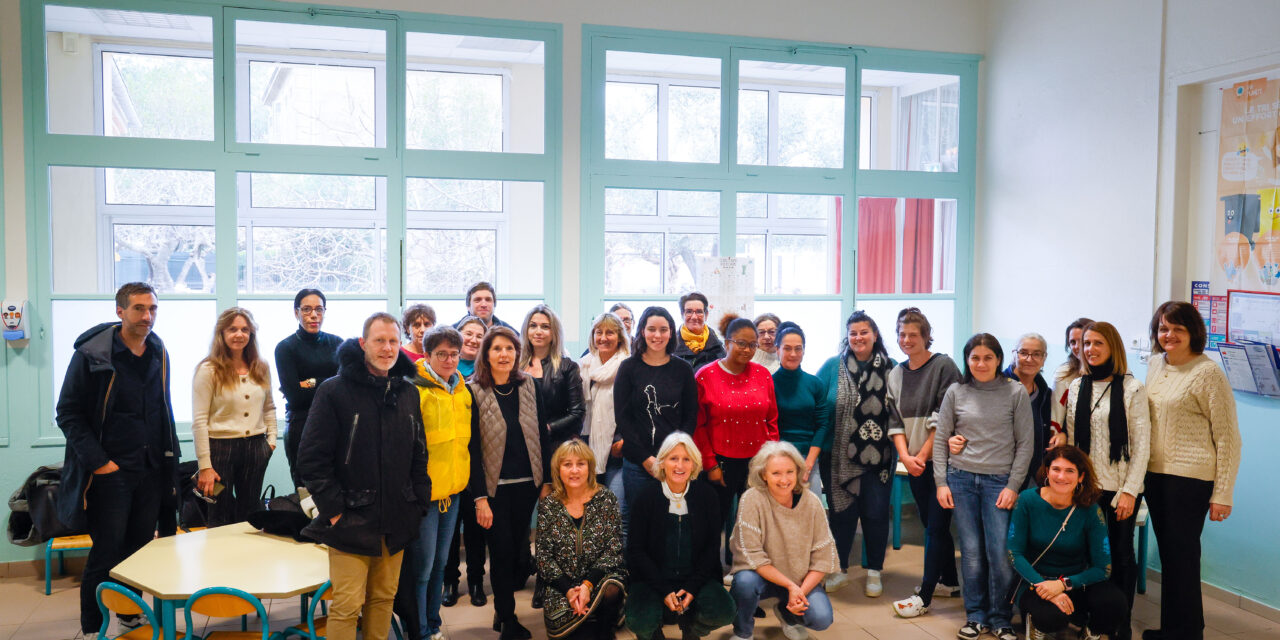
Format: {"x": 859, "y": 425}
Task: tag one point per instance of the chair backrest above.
{"x": 325, "y": 592}
{"x": 226, "y": 602}
{"x": 114, "y": 597}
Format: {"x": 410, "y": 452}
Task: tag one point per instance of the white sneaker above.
{"x": 912, "y": 607}
{"x": 873, "y": 588}
{"x": 835, "y": 581}
{"x": 942, "y": 591}
{"x": 133, "y": 623}
{"x": 439, "y": 635}
{"x": 1088, "y": 634}
{"x": 791, "y": 631}
{"x": 92, "y": 635}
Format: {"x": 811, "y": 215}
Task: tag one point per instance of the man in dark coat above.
{"x": 363, "y": 458}
{"x": 481, "y": 301}
{"x": 122, "y": 449}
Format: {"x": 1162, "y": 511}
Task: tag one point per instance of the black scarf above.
{"x": 1117, "y": 421}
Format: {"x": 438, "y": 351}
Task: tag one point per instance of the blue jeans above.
{"x": 612, "y": 478}
{"x": 749, "y": 589}
{"x": 434, "y": 538}
{"x": 634, "y": 481}
{"x": 871, "y": 506}
{"x": 983, "y": 530}
{"x": 939, "y": 546}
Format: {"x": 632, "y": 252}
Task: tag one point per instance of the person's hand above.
{"x": 109, "y": 467}
{"x": 1064, "y": 604}
{"x": 956, "y": 444}
{"x": 544, "y": 492}
{"x": 204, "y": 482}
{"x": 1057, "y": 440}
{"x": 1219, "y": 512}
{"x": 797, "y": 602}
{"x": 1006, "y": 499}
{"x": 686, "y": 600}
{"x": 616, "y": 450}
{"x": 334, "y": 520}
{"x": 1124, "y": 507}
{"x": 944, "y": 498}
{"x": 1049, "y": 589}
{"x": 484, "y": 515}
{"x": 716, "y": 475}
{"x": 913, "y": 465}
{"x": 273, "y": 447}
{"x": 579, "y": 599}
{"x": 672, "y": 602}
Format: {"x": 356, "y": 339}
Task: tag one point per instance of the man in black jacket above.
{"x": 363, "y": 458}
{"x": 122, "y": 444}
{"x": 697, "y": 343}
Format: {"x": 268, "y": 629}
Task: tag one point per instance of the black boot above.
{"x": 450, "y": 594}
{"x": 478, "y": 598}
{"x": 513, "y": 630}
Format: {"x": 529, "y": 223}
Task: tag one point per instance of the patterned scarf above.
{"x": 862, "y": 444}
{"x": 493, "y": 432}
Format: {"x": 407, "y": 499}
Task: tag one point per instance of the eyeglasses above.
{"x": 306, "y": 311}
{"x": 743, "y": 344}
{"x": 1023, "y": 353}
{"x": 446, "y": 355}
{"x": 695, "y": 312}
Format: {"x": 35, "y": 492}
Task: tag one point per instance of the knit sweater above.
{"x": 736, "y": 412}
{"x": 803, "y": 417}
{"x": 241, "y": 411}
{"x": 916, "y": 395}
{"x": 305, "y": 356}
{"x": 767, "y": 360}
{"x": 1125, "y": 475}
{"x": 651, "y": 402}
{"x": 1062, "y": 377}
{"x": 995, "y": 418}
{"x": 1082, "y": 551}
{"x": 795, "y": 540}
{"x": 1193, "y": 423}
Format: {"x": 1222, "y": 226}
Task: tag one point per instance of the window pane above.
{"x": 799, "y": 265}
{"x": 639, "y": 85}
{"x": 332, "y": 259}
{"x": 630, "y": 202}
{"x": 701, "y": 204}
{"x": 823, "y": 325}
{"x": 159, "y": 229}
{"x": 916, "y": 120}
{"x": 865, "y": 133}
{"x": 805, "y": 206}
{"x": 810, "y": 130}
{"x": 631, "y": 121}
{"x": 752, "y": 246}
{"x": 454, "y": 195}
{"x": 922, "y": 262}
{"x": 683, "y": 252}
{"x": 102, "y": 82}
{"x": 753, "y": 205}
{"x": 791, "y": 238}
{"x": 753, "y": 127}
{"x": 447, "y": 260}
{"x": 460, "y": 88}
{"x": 321, "y": 91}
{"x": 633, "y": 262}
{"x": 306, "y": 191}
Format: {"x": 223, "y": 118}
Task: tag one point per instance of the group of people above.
{"x": 679, "y": 475}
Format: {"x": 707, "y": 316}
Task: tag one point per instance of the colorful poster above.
{"x": 1247, "y": 240}
{"x": 1214, "y": 311}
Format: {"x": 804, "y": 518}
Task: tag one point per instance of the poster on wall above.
{"x": 1214, "y": 311}
{"x": 1247, "y": 229}
{"x": 730, "y": 285}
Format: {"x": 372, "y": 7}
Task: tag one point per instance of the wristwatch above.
{"x": 1066, "y": 583}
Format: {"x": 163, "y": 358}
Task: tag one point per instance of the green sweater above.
{"x": 803, "y": 416}
{"x": 1081, "y": 553}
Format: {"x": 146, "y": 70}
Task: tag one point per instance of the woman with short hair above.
{"x": 303, "y": 360}
{"x": 1028, "y": 360}
{"x": 783, "y": 547}
{"x": 418, "y": 320}
{"x": 767, "y": 330}
{"x": 467, "y": 531}
{"x": 803, "y": 417}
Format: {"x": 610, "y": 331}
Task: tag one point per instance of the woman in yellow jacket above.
{"x": 446, "y": 417}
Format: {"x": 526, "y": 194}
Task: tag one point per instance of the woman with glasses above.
{"x": 737, "y": 413}
{"x": 303, "y": 361}
{"x": 767, "y": 355}
{"x": 860, "y": 475}
{"x": 802, "y": 402}
{"x": 467, "y": 532}
{"x": 1025, "y": 369}
{"x": 418, "y": 320}
{"x": 697, "y": 344}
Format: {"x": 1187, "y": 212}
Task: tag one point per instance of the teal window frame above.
{"x": 849, "y": 181}
{"x": 226, "y": 157}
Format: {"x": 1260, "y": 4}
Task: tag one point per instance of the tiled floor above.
{"x": 27, "y": 614}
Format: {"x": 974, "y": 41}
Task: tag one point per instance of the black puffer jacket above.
{"x": 713, "y": 350}
{"x": 562, "y": 401}
{"x": 363, "y": 455}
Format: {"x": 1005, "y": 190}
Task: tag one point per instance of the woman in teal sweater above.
{"x": 803, "y": 416}
{"x": 1058, "y": 545}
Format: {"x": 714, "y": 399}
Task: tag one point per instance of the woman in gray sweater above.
{"x": 981, "y": 453}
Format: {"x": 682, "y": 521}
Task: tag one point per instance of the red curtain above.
{"x": 917, "y": 247}
{"x": 876, "y": 245}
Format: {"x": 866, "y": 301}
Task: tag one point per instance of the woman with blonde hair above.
{"x": 607, "y": 349}
{"x": 580, "y": 548}
{"x": 233, "y": 421}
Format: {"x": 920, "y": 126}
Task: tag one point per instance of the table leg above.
{"x": 167, "y": 615}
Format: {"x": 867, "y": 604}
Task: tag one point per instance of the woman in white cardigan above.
{"x": 233, "y": 419}
{"x": 607, "y": 349}
{"x": 1108, "y": 418}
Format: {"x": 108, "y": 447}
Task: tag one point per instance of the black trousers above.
{"x": 1124, "y": 561}
{"x": 122, "y": 511}
{"x": 292, "y": 439}
{"x": 242, "y": 464}
{"x": 469, "y": 534}
{"x": 1101, "y": 606}
{"x": 512, "y": 508}
{"x": 735, "y": 480}
{"x": 1178, "y": 506}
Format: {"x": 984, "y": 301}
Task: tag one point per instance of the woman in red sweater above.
{"x": 737, "y": 413}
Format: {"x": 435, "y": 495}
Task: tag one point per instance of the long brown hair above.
{"x": 224, "y": 369}
{"x": 1088, "y": 491}
{"x": 483, "y": 376}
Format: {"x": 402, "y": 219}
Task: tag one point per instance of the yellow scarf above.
{"x": 695, "y": 341}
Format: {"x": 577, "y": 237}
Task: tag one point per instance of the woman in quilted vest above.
{"x": 508, "y": 466}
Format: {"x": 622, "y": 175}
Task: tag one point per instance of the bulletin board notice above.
{"x": 1253, "y": 316}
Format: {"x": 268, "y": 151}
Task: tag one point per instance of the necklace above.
{"x": 499, "y": 391}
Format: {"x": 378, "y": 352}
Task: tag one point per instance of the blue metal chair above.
{"x": 226, "y": 602}
{"x": 315, "y": 627}
{"x": 117, "y": 598}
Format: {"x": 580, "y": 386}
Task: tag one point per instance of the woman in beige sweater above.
{"x": 1195, "y": 452}
{"x": 233, "y": 419}
{"x": 782, "y": 547}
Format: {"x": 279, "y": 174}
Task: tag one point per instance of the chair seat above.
{"x": 82, "y": 541}
{"x": 322, "y": 626}
{"x": 144, "y": 633}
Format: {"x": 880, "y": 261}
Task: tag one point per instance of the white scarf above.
{"x": 597, "y": 382}
{"x": 678, "y": 505}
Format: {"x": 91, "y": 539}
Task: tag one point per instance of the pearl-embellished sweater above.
{"x": 1193, "y": 423}
{"x": 736, "y": 413}
{"x": 244, "y": 410}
